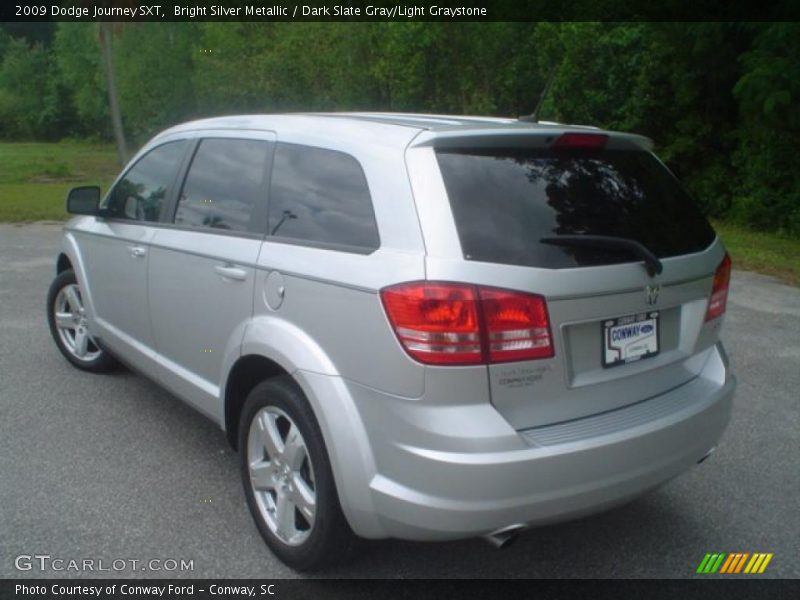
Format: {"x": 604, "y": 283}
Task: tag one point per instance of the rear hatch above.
{"x": 600, "y": 228}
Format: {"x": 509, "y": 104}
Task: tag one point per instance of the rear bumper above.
{"x": 479, "y": 484}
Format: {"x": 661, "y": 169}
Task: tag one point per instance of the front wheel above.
{"x": 288, "y": 480}
{"x": 68, "y": 326}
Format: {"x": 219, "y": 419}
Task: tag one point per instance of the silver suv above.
{"x": 410, "y": 326}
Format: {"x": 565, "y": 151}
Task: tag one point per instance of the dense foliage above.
{"x": 718, "y": 98}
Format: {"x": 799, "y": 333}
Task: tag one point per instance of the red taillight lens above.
{"x": 460, "y": 324}
{"x": 580, "y": 141}
{"x": 437, "y": 323}
{"x": 719, "y": 291}
{"x": 517, "y": 325}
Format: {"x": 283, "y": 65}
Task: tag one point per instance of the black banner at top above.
{"x": 378, "y": 10}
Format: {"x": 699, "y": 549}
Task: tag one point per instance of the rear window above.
{"x": 505, "y": 201}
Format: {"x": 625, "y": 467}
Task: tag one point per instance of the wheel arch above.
{"x": 271, "y": 347}
{"x": 63, "y": 263}
{"x": 247, "y": 372}
{"x": 70, "y": 258}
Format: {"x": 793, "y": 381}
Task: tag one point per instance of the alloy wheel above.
{"x": 72, "y": 326}
{"x": 281, "y": 475}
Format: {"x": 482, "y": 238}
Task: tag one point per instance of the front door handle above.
{"x": 137, "y": 251}
{"x": 231, "y": 272}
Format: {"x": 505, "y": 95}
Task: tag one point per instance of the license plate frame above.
{"x": 623, "y": 341}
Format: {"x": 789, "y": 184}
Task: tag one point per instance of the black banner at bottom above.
{"x": 383, "y": 589}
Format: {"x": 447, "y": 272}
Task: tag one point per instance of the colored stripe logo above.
{"x": 734, "y": 562}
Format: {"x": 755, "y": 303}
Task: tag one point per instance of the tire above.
{"x": 70, "y": 330}
{"x": 284, "y": 464}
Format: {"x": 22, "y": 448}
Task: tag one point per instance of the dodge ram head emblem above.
{"x": 651, "y": 294}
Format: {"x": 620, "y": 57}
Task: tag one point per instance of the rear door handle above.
{"x": 137, "y": 251}
{"x": 231, "y": 272}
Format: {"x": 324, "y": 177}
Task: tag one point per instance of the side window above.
{"x": 321, "y": 196}
{"x": 225, "y": 183}
{"x": 141, "y": 194}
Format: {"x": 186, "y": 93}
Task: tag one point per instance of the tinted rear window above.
{"x": 505, "y": 201}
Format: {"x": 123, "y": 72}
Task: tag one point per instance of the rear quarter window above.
{"x": 320, "y": 197}
{"x": 504, "y": 201}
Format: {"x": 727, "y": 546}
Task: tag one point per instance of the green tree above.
{"x": 766, "y": 156}
{"x": 79, "y": 69}
{"x": 28, "y": 102}
{"x": 669, "y": 81}
{"x": 717, "y": 98}
{"x": 153, "y": 68}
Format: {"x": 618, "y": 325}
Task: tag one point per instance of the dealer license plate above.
{"x": 630, "y": 338}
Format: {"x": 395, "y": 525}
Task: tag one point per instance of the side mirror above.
{"x": 83, "y": 200}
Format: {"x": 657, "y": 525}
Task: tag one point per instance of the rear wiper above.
{"x": 652, "y": 264}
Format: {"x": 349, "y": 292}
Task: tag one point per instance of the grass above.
{"x": 767, "y": 253}
{"x": 35, "y": 178}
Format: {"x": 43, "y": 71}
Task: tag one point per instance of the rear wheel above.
{"x": 288, "y": 480}
{"x": 66, "y": 316}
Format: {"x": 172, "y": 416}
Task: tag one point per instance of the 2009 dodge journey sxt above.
{"x": 411, "y": 326}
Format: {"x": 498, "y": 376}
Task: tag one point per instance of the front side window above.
{"x": 321, "y": 196}
{"x": 141, "y": 194}
{"x": 226, "y": 181}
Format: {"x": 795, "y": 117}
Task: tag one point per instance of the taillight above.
{"x": 580, "y": 141}
{"x": 517, "y": 325}
{"x": 460, "y": 324}
{"x": 437, "y": 323}
{"x": 719, "y": 291}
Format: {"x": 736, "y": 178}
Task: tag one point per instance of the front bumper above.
{"x": 416, "y": 470}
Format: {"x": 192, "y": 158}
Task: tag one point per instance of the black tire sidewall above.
{"x": 330, "y": 537}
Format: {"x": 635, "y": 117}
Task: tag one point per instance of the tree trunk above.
{"x": 113, "y": 102}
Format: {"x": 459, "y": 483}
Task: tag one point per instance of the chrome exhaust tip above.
{"x": 709, "y": 453}
{"x": 505, "y": 536}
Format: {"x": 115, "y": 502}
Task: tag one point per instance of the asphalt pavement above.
{"x": 112, "y": 468}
